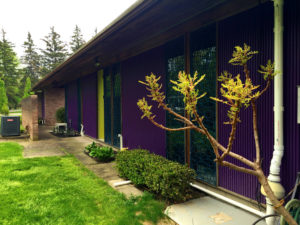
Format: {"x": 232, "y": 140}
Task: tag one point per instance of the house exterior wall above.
{"x": 54, "y": 98}
{"x": 258, "y": 33}
{"x": 254, "y": 27}
{"x": 40, "y": 105}
{"x": 139, "y": 133}
{"x": 72, "y": 106}
{"x": 291, "y": 77}
{"x": 89, "y": 105}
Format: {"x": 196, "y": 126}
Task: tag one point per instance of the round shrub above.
{"x": 60, "y": 115}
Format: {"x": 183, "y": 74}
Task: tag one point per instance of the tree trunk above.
{"x": 270, "y": 194}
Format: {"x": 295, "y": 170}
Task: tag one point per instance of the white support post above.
{"x": 274, "y": 176}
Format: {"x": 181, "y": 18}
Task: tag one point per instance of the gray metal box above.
{"x": 10, "y": 126}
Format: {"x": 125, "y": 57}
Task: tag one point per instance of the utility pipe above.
{"x": 121, "y": 141}
{"x": 274, "y": 176}
{"x": 81, "y": 130}
{"x": 121, "y": 183}
{"x": 228, "y": 200}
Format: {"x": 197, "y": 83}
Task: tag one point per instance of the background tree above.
{"x": 76, "y": 40}
{"x": 9, "y": 71}
{"x": 27, "y": 88}
{"x": 237, "y": 92}
{"x": 3, "y": 99}
{"x": 31, "y": 61}
{"x": 54, "y": 53}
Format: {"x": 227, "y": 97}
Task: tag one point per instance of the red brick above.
{"x": 30, "y": 116}
{"x": 54, "y": 98}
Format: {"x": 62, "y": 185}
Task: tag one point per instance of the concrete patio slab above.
{"x": 42, "y": 149}
{"x": 209, "y": 211}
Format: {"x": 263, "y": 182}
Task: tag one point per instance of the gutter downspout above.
{"x": 274, "y": 176}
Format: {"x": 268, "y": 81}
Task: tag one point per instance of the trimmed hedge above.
{"x": 164, "y": 177}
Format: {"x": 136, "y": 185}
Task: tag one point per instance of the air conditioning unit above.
{"x": 10, "y": 126}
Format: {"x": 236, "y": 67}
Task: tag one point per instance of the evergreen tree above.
{"x": 3, "y": 99}
{"x": 31, "y": 60}
{"x": 77, "y": 39}
{"x": 27, "y": 88}
{"x": 54, "y": 53}
{"x": 9, "y": 72}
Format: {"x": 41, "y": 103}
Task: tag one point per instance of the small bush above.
{"x": 103, "y": 153}
{"x": 164, "y": 177}
{"x": 60, "y": 115}
{"x": 90, "y": 147}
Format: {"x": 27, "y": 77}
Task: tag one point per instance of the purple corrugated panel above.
{"x": 139, "y": 133}
{"x": 254, "y": 27}
{"x": 291, "y": 158}
{"x": 89, "y": 104}
{"x": 72, "y": 104}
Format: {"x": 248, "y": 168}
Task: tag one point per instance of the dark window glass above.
{"x": 117, "y": 105}
{"x": 107, "y": 106}
{"x": 174, "y": 52}
{"x": 203, "y": 60}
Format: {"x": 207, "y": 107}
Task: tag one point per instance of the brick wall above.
{"x": 54, "y": 98}
{"x": 30, "y": 116}
{"x": 40, "y": 109}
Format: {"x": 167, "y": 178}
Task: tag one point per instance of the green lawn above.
{"x": 60, "y": 190}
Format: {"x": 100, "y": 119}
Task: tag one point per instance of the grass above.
{"x": 60, "y": 190}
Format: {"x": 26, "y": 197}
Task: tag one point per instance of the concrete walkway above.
{"x": 210, "y": 211}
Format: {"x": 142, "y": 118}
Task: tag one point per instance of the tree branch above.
{"x": 167, "y": 128}
{"x": 255, "y": 132}
{"x": 238, "y": 168}
{"x": 231, "y": 137}
{"x": 265, "y": 89}
{"x": 232, "y": 154}
{"x": 206, "y": 133}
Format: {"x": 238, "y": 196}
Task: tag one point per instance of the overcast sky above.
{"x": 18, "y": 17}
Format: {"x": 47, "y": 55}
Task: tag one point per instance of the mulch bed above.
{"x": 64, "y": 135}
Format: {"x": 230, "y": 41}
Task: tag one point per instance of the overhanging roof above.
{"x": 145, "y": 25}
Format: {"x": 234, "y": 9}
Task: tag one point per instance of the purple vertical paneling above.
{"x": 139, "y": 133}
{"x": 291, "y": 77}
{"x": 89, "y": 104}
{"x": 72, "y": 104}
{"x": 255, "y": 28}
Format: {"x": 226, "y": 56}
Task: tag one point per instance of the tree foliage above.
{"x": 9, "y": 71}
{"x": 76, "y": 40}
{"x": 54, "y": 53}
{"x": 27, "y": 89}
{"x": 237, "y": 92}
{"x": 31, "y": 60}
{"x": 3, "y": 99}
